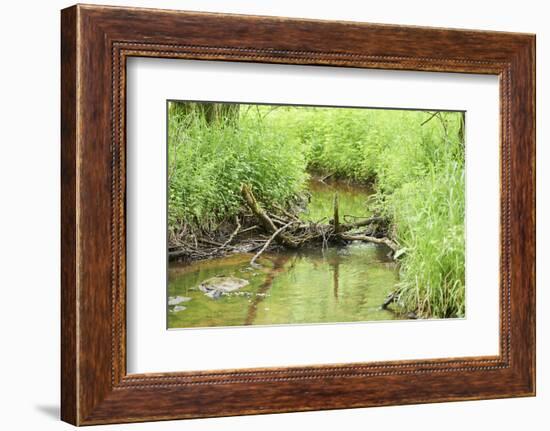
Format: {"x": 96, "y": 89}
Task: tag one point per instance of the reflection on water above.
{"x": 342, "y": 285}
{"x": 338, "y": 284}
{"x": 352, "y": 200}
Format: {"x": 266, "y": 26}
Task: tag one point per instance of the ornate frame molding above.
{"x": 96, "y": 41}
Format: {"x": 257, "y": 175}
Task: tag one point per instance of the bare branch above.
{"x": 269, "y": 241}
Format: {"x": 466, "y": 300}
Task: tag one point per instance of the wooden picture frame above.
{"x": 95, "y": 43}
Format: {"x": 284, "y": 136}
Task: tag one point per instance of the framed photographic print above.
{"x": 265, "y": 215}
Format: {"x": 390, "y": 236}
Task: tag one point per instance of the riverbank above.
{"x": 330, "y": 210}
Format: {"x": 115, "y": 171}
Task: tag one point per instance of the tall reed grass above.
{"x": 208, "y": 162}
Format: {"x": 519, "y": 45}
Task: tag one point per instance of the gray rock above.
{"x": 175, "y": 300}
{"x": 216, "y": 286}
{"x": 179, "y": 308}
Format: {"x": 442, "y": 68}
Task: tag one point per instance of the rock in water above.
{"x": 216, "y": 286}
{"x": 175, "y": 300}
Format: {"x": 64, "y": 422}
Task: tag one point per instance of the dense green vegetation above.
{"x": 414, "y": 159}
{"x": 209, "y": 159}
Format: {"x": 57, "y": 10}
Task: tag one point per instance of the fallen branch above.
{"x": 392, "y": 297}
{"x": 366, "y": 222}
{"x": 269, "y": 241}
{"x": 235, "y": 232}
{"x": 286, "y": 213}
{"x": 248, "y": 229}
{"x": 326, "y": 177}
{"x": 210, "y": 242}
{"x": 262, "y": 216}
{"x": 285, "y": 228}
{"x": 386, "y": 241}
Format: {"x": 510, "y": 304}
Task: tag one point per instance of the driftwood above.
{"x": 392, "y": 297}
{"x": 263, "y": 218}
{"x": 366, "y": 222}
{"x": 248, "y": 229}
{"x": 286, "y": 213}
{"x": 280, "y": 226}
{"x": 386, "y": 241}
{"x": 298, "y": 233}
{"x": 233, "y": 234}
{"x": 269, "y": 241}
{"x": 326, "y": 177}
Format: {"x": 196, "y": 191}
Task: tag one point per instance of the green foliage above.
{"x": 428, "y": 215}
{"x": 421, "y": 188}
{"x": 343, "y": 142}
{"x": 208, "y": 162}
{"x": 414, "y": 159}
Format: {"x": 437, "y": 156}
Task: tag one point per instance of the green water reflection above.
{"x": 340, "y": 285}
{"x": 352, "y": 200}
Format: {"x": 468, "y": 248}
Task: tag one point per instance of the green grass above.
{"x": 428, "y": 216}
{"x": 418, "y": 171}
{"x": 416, "y": 166}
{"x": 209, "y": 162}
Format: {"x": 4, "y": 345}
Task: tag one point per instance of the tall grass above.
{"x": 208, "y": 162}
{"x": 426, "y": 203}
{"x": 415, "y": 161}
{"x": 428, "y": 216}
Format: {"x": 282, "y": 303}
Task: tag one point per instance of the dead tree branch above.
{"x": 336, "y": 219}
{"x": 269, "y": 241}
{"x": 386, "y": 241}
{"x": 262, "y": 216}
{"x": 235, "y": 232}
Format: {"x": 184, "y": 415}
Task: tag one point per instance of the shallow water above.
{"x": 352, "y": 200}
{"x": 312, "y": 285}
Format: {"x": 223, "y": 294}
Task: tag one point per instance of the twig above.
{"x": 386, "y": 241}
{"x": 285, "y": 212}
{"x": 248, "y": 229}
{"x": 361, "y": 223}
{"x": 429, "y": 119}
{"x": 233, "y": 234}
{"x": 278, "y": 219}
{"x": 277, "y": 232}
{"x": 392, "y": 297}
{"x": 326, "y": 177}
{"x": 262, "y": 216}
{"x": 210, "y": 242}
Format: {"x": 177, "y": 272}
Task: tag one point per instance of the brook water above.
{"x": 311, "y": 285}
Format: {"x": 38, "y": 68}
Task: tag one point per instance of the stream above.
{"x": 306, "y": 286}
